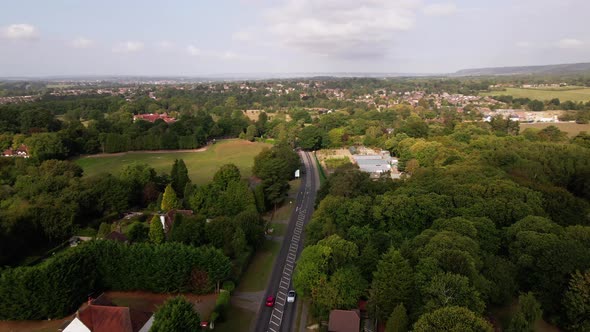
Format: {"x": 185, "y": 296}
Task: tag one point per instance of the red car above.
{"x": 270, "y": 301}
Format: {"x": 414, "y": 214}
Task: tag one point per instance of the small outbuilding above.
{"x": 344, "y": 321}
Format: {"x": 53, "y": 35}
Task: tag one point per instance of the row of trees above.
{"x": 538, "y": 105}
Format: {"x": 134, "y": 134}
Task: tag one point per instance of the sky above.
{"x": 212, "y": 37}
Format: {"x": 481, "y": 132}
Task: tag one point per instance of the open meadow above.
{"x": 574, "y": 94}
{"x": 572, "y": 129}
{"x": 201, "y": 164}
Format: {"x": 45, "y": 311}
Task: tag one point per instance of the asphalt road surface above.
{"x": 281, "y": 317}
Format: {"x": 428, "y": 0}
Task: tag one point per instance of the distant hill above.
{"x": 563, "y": 69}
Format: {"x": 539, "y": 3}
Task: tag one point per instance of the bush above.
{"x": 222, "y": 305}
{"x": 176, "y": 314}
{"x": 228, "y": 286}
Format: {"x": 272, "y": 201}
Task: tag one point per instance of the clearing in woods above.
{"x": 201, "y": 164}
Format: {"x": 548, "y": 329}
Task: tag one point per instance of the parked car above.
{"x": 270, "y": 301}
{"x": 291, "y": 296}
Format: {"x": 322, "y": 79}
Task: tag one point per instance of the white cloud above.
{"x": 227, "y": 55}
{"x": 242, "y": 36}
{"x": 165, "y": 45}
{"x": 341, "y": 28}
{"x": 230, "y": 56}
{"x": 129, "y": 47}
{"x": 82, "y": 43}
{"x": 440, "y": 9}
{"x": 20, "y": 32}
{"x": 570, "y": 43}
{"x": 193, "y": 50}
{"x": 524, "y": 44}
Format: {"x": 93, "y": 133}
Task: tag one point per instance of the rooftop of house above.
{"x": 22, "y": 150}
{"x": 168, "y": 218}
{"x": 153, "y": 117}
{"x": 101, "y": 315}
{"x": 344, "y": 321}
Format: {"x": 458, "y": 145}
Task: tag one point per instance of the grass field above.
{"x": 238, "y": 320}
{"x": 256, "y": 276}
{"x": 572, "y": 129}
{"x": 582, "y": 94}
{"x": 201, "y": 165}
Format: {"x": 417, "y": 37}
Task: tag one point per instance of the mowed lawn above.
{"x": 582, "y": 94}
{"x": 201, "y": 165}
{"x": 572, "y": 129}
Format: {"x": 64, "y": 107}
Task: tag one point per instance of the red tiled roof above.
{"x": 169, "y": 217}
{"x": 23, "y": 148}
{"x": 101, "y": 315}
{"x": 153, "y": 117}
{"x": 344, "y": 321}
{"x": 106, "y": 319}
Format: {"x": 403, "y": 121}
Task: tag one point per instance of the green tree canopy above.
{"x": 137, "y": 232}
{"x": 577, "y": 302}
{"x": 398, "y": 321}
{"x": 176, "y": 314}
{"x": 447, "y": 289}
{"x": 156, "y": 232}
{"x": 313, "y": 138}
{"x": 225, "y": 175}
{"x": 45, "y": 146}
{"x": 455, "y": 319}
{"x": 169, "y": 200}
{"x": 392, "y": 284}
{"x": 179, "y": 176}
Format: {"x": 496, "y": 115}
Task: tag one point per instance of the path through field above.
{"x": 201, "y": 163}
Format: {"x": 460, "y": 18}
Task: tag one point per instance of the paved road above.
{"x": 282, "y": 316}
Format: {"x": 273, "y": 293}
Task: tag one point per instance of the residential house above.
{"x": 101, "y": 315}
{"x": 344, "y": 321}
{"x": 21, "y": 151}
{"x": 153, "y": 117}
{"x": 167, "y": 219}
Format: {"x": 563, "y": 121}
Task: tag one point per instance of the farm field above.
{"x": 201, "y": 164}
{"x": 571, "y": 128}
{"x": 581, "y": 94}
